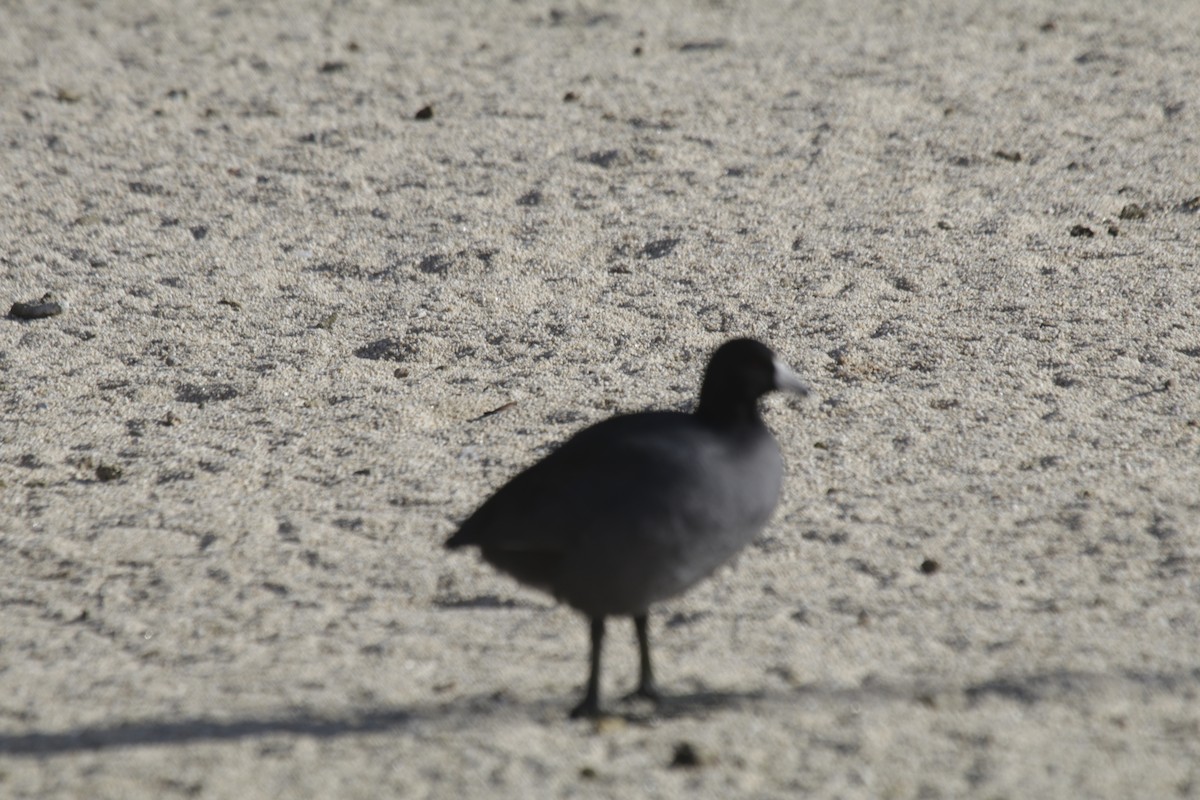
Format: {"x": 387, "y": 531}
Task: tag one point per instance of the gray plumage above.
{"x": 637, "y": 508}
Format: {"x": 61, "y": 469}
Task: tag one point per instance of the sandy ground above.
{"x": 226, "y": 468}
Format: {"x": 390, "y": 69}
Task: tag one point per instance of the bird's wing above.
{"x": 612, "y": 476}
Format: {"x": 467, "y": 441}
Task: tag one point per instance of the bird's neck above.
{"x": 722, "y": 411}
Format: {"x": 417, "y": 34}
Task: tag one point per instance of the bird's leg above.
{"x": 590, "y": 705}
{"x": 646, "y": 688}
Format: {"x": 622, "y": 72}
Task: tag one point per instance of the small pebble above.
{"x": 108, "y": 472}
{"x": 37, "y": 309}
{"x": 686, "y": 756}
{"x": 609, "y": 724}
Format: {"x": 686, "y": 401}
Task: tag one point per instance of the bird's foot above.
{"x": 645, "y": 691}
{"x": 588, "y": 708}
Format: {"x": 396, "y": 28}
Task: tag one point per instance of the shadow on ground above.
{"x": 1028, "y": 689}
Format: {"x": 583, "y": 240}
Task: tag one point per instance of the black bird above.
{"x": 637, "y": 508}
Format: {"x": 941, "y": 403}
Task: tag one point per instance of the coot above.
{"x": 637, "y": 508}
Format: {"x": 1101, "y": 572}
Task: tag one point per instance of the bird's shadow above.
{"x": 466, "y": 712}
{"x": 463, "y": 712}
